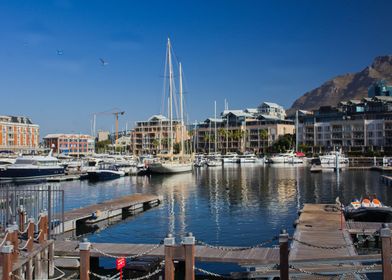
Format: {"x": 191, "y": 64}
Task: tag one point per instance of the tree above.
{"x": 284, "y": 143}
{"x": 263, "y": 134}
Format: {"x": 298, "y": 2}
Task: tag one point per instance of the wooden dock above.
{"x": 108, "y": 209}
{"x": 63, "y": 178}
{"x": 202, "y": 253}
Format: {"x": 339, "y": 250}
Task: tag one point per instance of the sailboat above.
{"x": 169, "y": 164}
{"x": 215, "y": 158}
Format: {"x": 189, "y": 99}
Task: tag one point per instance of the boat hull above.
{"x": 170, "y": 168}
{"x": 369, "y": 214}
{"x": 103, "y": 175}
{"x": 29, "y": 174}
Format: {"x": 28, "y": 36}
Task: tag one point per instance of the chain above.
{"x": 114, "y": 277}
{"x": 208, "y": 272}
{"x": 337, "y": 246}
{"x": 199, "y": 242}
{"x": 358, "y": 271}
{"x": 129, "y": 257}
{"x": 26, "y": 244}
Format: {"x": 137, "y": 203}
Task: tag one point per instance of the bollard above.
{"x": 284, "y": 255}
{"x": 169, "y": 243}
{"x": 385, "y": 234}
{"x": 84, "y": 251}
{"x": 6, "y": 252}
{"x": 189, "y": 249}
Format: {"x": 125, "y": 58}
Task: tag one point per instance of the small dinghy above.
{"x": 369, "y": 209}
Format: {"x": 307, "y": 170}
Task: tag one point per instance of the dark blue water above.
{"x": 223, "y": 206}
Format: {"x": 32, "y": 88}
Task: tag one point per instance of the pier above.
{"x": 108, "y": 209}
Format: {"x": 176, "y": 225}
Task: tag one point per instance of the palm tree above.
{"x": 264, "y": 137}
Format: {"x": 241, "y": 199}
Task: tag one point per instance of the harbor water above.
{"x": 231, "y": 205}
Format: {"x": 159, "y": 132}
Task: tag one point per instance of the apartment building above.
{"x": 70, "y": 144}
{"x": 18, "y": 134}
{"x": 152, "y": 136}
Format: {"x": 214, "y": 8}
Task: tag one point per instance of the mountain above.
{"x": 347, "y": 86}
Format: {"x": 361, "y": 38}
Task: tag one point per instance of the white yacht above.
{"x": 289, "y": 157}
{"x": 30, "y": 168}
{"x": 248, "y": 158}
{"x": 231, "y": 158}
{"x": 330, "y": 159}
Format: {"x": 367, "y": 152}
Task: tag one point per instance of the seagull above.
{"x": 60, "y": 52}
{"x": 103, "y": 62}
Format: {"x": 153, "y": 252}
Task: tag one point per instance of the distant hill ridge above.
{"x": 347, "y": 86}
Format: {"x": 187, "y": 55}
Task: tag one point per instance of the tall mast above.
{"x": 181, "y": 112}
{"x": 170, "y": 95}
{"x": 296, "y": 131}
{"x": 215, "y": 126}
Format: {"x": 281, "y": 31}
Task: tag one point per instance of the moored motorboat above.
{"x": 31, "y": 168}
{"x": 369, "y": 209}
{"x": 105, "y": 171}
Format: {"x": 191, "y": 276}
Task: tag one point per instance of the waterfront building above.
{"x": 354, "y": 125}
{"x": 380, "y": 88}
{"x": 103, "y": 135}
{"x": 70, "y": 144}
{"x": 249, "y": 130}
{"x": 152, "y": 136}
{"x": 18, "y": 134}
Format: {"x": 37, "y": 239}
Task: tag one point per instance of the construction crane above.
{"x": 116, "y": 112}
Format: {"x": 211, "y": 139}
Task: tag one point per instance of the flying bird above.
{"x": 103, "y": 62}
{"x": 60, "y": 52}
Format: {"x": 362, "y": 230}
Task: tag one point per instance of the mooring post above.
{"x": 6, "y": 252}
{"x": 385, "y": 234}
{"x": 169, "y": 243}
{"x": 51, "y": 261}
{"x": 189, "y": 248}
{"x": 42, "y": 235}
{"x": 284, "y": 254}
{"x": 84, "y": 252}
{"x": 12, "y": 237}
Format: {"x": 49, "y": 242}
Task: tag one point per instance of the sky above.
{"x": 246, "y": 52}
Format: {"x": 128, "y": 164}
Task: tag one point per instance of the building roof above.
{"x": 383, "y": 98}
{"x": 157, "y": 118}
{"x": 271, "y": 104}
{"x": 59, "y": 135}
{"x": 16, "y": 119}
{"x": 214, "y": 120}
{"x": 268, "y": 117}
{"x": 237, "y": 113}
{"x": 251, "y": 110}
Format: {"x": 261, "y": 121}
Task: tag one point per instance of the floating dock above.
{"x": 63, "y": 178}
{"x": 108, "y": 209}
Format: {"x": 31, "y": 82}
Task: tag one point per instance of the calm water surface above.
{"x": 229, "y": 205}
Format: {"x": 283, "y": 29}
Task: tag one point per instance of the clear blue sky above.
{"x": 245, "y": 51}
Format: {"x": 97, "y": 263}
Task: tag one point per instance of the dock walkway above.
{"x": 320, "y": 224}
{"x": 105, "y": 210}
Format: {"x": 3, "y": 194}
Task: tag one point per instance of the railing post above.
{"x": 284, "y": 255}
{"x": 30, "y": 234}
{"x": 22, "y": 217}
{"x": 169, "y": 243}
{"x": 6, "y": 252}
{"x": 84, "y": 251}
{"x": 385, "y": 234}
{"x": 189, "y": 248}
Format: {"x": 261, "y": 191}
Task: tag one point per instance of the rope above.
{"x": 26, "y": 244}
{"x": 208, "y": 272}
{"x": 129, "y": 257}
{"x": 26, "y": 229}
{"x": 199, "y": 242}
{"x": 62, "y": 274}
{"x": 39, "y": 234}
{"x": 4, "y": 240}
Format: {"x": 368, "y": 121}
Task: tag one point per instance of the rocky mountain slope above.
{"x": 348, "y": 86}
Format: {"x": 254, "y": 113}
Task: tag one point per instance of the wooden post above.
{"x": 284, "y": 255}
{"x": 42, "y": 228}
{"x": 30, "y": 234}
{"x": 51, "y": 261}
{"x": 22, "y": 217}
{"x": 84, "y": 252}
{"x": 29, "y": 270}
{"x": 38, "y": 267}
{"x": 169, "y": 243}
{"x": 6, "y": 252}
{"x": 189, "y": 249}
{"x": 385, "y": 234}
{"x": 12, "y": 237}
